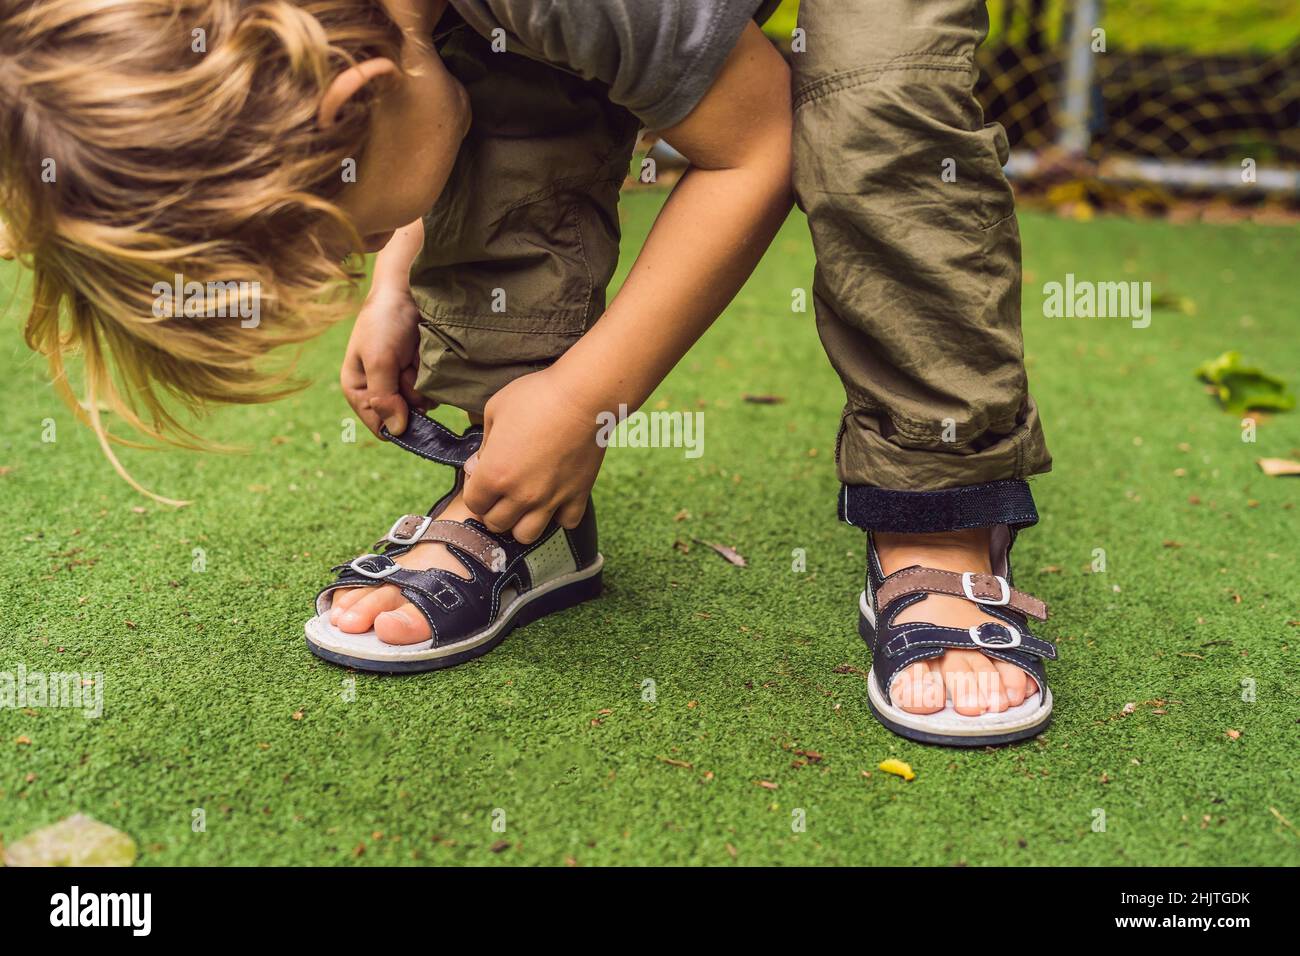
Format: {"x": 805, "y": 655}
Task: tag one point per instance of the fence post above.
{"x": 1072, "y": 125}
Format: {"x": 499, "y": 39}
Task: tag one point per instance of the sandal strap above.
{"x": 990, "y": 589}
{"x": 413, "y": 529}
{"x": 1001, "y": 640}
{"x": 434, "y": 441}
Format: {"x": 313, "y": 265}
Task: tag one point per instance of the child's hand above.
{"x": 379, "y": 367}
{"x": 539, "y": 458}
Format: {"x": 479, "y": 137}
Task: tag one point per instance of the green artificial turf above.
{"x": 212, "y": 702}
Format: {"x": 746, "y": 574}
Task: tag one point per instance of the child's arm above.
{"x": 379, "y": 367}
{"x": 539, "y": 455}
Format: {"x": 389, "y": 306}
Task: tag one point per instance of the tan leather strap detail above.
{"x": 986, "y": 588}
{"x": 470, "y": 540}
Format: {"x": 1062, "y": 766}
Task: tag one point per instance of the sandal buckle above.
{"x": 374, "y": 566}
{"x": 411, "y": 538}
{"x": 968, "y": 587}
{"x": 996, "y": 645}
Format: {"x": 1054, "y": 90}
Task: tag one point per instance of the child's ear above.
{"x": 346, "y": 84}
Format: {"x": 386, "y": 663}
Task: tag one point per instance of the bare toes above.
{"x": 962, "y": 686}
{"x": 914, "y": 690}
{"x": 360, "y": 617}
{"x": 343, "y": 599}
{"x": 404, "y": 625}
{"x": 993, "y": 697}
{"x": 1013, "y": 682}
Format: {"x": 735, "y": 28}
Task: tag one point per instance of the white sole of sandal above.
{"x": 367, "y": 652}
{"x": 950, "y": 728}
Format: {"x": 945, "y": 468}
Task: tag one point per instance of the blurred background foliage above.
{"x": 1194, "y": 26}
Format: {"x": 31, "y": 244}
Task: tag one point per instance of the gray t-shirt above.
{"x": 658, "y": 57}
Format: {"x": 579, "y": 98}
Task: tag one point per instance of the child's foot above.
{"x": 976, "y": 683}
{"x": 447, "y": 589}
{"x": 394, "y": 619}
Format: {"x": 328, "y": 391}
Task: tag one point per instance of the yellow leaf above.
{"x": 893, "y": 766}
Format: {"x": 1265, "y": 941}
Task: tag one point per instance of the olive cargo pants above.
{"x": 917, "y": 285}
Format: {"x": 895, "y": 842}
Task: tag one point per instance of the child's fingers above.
{"x": 480, "y": 494}
{"x": 361, "y": 405}
{"x": 392, "y": 409}
{"x": 352, "y": 379}
{"x": 570, "y": 514}
{"x": 407, "y": 388}
{"x": 530, "y": 527}
{"x": 503, "y": 515}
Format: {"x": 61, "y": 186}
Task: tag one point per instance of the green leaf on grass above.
{"x": 78, "y": 840}
{"x": 1241, "y": 387}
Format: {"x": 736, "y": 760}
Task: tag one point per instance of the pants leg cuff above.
{"x": 1008, "y": 502}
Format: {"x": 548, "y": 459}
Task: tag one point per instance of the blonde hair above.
{"x": 146, "y": 139}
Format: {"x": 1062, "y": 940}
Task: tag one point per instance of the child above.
{"x": 917, "y": 298}
{"x": 489, "y": 291}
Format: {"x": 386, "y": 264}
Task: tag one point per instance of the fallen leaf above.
{"x": 898, "y": 768}
{"x": 78, "y": 840}
{"x": 500, "y": 845}
{"x": 1172, "y": 544}
{"x": 1241, "y": 387}
{"x": 1129, "y": 708}
{"x": 1233, "y": 734}
{"x": 681, "y": 515}
{"x": 681, "y": 546}
{"x": 731, "y": 850}
{"x": 764, "y": 399}
{"x": 676, "y": 763}
{"x": 766, "y": 784}
{"x": 1273, "y": 467}
{"x": 24, "y": 741}
{"x": 1049, "y": 569}
{"x": 730, "y": 554}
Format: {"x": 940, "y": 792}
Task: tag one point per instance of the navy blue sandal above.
{"x": 894, "y": 647}
{"x": 505, "y": 584}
